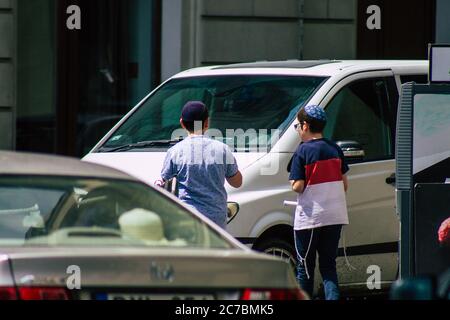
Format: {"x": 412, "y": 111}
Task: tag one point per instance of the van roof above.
{"x": 310, "y": 67}
{"x": 292, "y": 64}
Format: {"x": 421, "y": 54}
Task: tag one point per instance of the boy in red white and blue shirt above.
{"x": 318, "y": 176}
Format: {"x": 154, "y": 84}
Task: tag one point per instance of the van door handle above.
{"x": 391, "y": 179}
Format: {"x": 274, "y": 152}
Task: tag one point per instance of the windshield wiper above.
{"x": 143, "y": 144}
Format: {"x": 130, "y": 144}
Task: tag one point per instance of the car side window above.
{"x": 361, "y": 112}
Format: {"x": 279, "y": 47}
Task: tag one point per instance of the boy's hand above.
{"x": 160, "y": 183}
{"x": 298, "y": 185}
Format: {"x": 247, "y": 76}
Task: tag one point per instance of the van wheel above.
{"x": 279, "y": 248}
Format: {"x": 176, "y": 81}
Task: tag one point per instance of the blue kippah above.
{"x": 194, "y": 111}
{"x": 316, "y": 112}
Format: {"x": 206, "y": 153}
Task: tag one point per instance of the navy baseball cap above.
{"x": 316, "y": 112}
{"x": 194, "y": 111}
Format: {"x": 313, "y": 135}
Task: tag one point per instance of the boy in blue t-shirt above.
{"x": 201, "y": 166}
{"x": 318, "y": 176}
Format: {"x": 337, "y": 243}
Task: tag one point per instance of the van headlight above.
{"x": 232, "y": 210}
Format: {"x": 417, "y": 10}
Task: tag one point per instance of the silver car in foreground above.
{"x": 74, "y": 230}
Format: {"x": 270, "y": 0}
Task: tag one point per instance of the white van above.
{"x": 262, "y": 99}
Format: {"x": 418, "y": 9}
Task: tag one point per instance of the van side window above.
{"x": 360, "y": 112}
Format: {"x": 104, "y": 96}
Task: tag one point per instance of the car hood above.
{"x": 132, "y": 267}
{"x": 146, "y": 166}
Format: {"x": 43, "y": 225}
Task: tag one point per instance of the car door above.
{"x": 362, "y": 108}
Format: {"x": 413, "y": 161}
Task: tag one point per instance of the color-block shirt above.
{"x": 321, "y": 164}
{"x": 201, "y": 166}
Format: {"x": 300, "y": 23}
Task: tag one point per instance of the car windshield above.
{"x": 51, "y": 211}
{"x": 256, "y": 107}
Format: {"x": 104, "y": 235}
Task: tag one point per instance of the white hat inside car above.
{"x": 143, "y": 225}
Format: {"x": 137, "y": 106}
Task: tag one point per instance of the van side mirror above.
{"x": 353, "y": 151}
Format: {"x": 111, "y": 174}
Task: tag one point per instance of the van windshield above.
{"x": 257, "y": 108}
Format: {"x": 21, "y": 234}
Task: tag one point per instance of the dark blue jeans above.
{"x": 324, "y": 241}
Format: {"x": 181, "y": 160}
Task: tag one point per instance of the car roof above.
{"x": 22, "y": 163}
{"x": 325, "y": 68}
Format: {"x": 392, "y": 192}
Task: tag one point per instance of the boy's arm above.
{"x": 344, "y": 168}
{"x": 232, "y": 173}
{"x": 298, "y": 185}
{"x": 168, "y": 170}
{"x": 297, "y": 174}
{"x": 236, "y": 180}
{"x": 345, "y": 180}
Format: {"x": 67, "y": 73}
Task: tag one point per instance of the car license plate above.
{"x": 157, "y": 296}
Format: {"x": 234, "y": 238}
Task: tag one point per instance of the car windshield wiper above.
{"x": 143, "y": 144}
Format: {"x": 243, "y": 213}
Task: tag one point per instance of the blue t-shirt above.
{"x": 201, "y": 166}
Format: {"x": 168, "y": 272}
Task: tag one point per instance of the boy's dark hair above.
{"x": 315, "y": 125}
{"x": 194, "y": 111}
{"x": 190, "y": 125}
